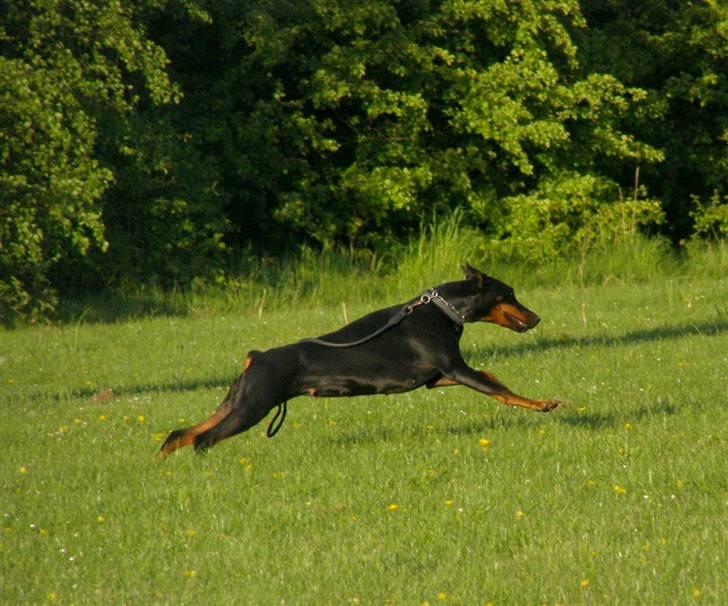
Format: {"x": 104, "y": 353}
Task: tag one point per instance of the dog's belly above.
{"x": 354, "y": 386}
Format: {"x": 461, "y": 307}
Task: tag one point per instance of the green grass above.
{"x": 619, "y": 498}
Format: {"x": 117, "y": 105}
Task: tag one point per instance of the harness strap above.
{"x": 395, "y": 319}
{"x": 428, "y": 296}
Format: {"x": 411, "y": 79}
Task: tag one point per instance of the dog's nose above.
{"x": 535, "y": 320}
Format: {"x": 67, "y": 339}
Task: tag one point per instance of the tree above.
{"x": 347, "y": 122}
{"x": 64, "y": 66}
{"x": 676, "y": 52}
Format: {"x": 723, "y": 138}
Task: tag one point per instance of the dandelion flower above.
{"x": 484, "y": 443}
{"x": 584, "y": 583}
{"x": 393, "y": 507}
{"x": 23, "y": 469}
{"x": 619, "y": 489}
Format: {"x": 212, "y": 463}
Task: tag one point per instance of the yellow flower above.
{"x": 102, "y": 417}
{"x": 697, "y": 592}
{"x": 100, "y": 519}
{"x": 520, "y": 514}
{"x": 449, "y": 503}
{"x": 393, "y": 507}
{"x": 584, "y": 583}
{"x": 619, "y": 489}
{"x": 141, "y": 418}
{"x": 52, "y": 596}
{"x": 190, "y": 573}
{"x": 23, "y": 469}
{"x": 442, "y": 596}
{"x": 484, "y": 443}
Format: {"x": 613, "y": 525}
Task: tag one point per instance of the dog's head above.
{"x": 496, "y": 302}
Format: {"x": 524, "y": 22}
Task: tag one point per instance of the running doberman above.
{"x": 392, "y": 350}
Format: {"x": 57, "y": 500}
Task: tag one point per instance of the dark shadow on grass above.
{"x": 708, "y": 328}
{"x": 112, "y": 307}
{"x": 599, "y": 420}
{"x": 113, "y": 392}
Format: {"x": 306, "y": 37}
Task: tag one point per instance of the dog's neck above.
{"x": 463, "y": 297}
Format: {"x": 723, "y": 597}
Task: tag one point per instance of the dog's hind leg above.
{"x": 234, "y": 423}
{"x": 182, "y": 437}
{"x": 250, "y": 404}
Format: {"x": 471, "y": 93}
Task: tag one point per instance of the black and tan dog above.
{"x": 392, "y": 350}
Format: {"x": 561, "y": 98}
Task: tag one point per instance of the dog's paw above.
{"x": 549, "y": 405}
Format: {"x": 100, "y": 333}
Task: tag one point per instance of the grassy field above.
{"x": 431, "y": 497}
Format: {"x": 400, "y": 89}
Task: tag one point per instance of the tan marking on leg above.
{"x": 444, "y": 382}
{"x": 187, "y": 436}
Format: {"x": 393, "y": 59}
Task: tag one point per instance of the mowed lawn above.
{"x": 430, "y": 497}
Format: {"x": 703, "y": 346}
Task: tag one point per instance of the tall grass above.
{"x": 344, "y": 277}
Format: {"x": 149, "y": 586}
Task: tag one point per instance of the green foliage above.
{"x": 399, "y": 110}
{"x": 164, "y": 218}
{"x": 676, "y": 53}
{"x": 161, "y": 142}
{"x": 569, "y": 214}
{"x": 711, "y": 220}
{"x": 64, "y": 65}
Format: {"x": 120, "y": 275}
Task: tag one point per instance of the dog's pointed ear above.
{"x": 474, "y": 274}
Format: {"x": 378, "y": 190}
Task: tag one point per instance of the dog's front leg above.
{"x": 486, "y": 383}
